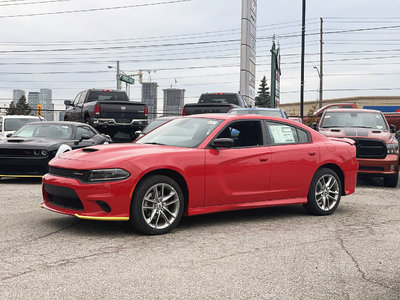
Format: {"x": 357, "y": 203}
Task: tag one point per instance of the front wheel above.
{"x": 157, "y": 205}
{"x": 324, "y": 193}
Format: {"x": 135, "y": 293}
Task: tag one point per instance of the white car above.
{"x": 11, "y": 123}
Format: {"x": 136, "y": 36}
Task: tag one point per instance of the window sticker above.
{"x": 282, "y": 134}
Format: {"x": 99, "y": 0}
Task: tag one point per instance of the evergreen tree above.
{"x": 22, "y": 107}
{"x": 262, "y": 100}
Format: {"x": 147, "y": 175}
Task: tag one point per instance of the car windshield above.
{"x": 154, "y": 124}
{"x": 49, "y": 131}
{"x": 183, "y": 132}
{"x": 354, "y": 119}
{"x": 219, "y": 98}
{"x": 13, "y": 124}
{"x": 264, "y": 112}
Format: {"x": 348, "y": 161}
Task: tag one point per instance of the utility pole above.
{"x": 118, "y": 79}
{"x": 321, "y": 73}
{"x": 303, "y": 35}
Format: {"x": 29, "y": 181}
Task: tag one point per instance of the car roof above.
{"x": 361, "y": 110}
{"x": 258, "y": 108}
{"x": 61, "y": 123}
{"x": 20, "y": 116}
{"x": 241, "y": 117}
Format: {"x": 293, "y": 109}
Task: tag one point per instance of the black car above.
{"x": 27, "y": 152}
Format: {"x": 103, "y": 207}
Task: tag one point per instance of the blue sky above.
{"x": 195, "y": 45}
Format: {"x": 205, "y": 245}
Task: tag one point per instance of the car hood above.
{"x": 32, "y": 143}
{"x": 105, "y": 154}
{"x": 356, "y": 132}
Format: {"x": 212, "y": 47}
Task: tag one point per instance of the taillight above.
{"x": 97, "y": 109}
{"x": 184, "y": 111}
{"x": 146, "y": 111}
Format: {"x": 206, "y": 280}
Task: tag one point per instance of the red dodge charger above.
{"x": 202, "y": 164}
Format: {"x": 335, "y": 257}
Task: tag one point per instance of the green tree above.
{"x": 262, "y": 100}
{"x": 22, "y": 107}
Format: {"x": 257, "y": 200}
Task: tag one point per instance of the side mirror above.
{"x": 68, "y": 103}
{"x": 8, "y": 135}
{"x": 83, "y": 137}
{"x": 223, "y": 143}
{"x": 392, "y": 128}
{"x": 314, "y": 126}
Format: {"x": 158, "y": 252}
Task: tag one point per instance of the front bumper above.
{"x": 23, "y": 166}
{"x": 96, "y": 201}
{"x": 388, "y": 165}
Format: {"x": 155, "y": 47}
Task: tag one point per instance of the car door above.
{"x": 72, "y": 112}
{"x": 293, "y": 160}
{"x": 240, "y": 173}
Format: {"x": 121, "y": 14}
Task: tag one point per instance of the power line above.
{"x": 94, "y": 9}
{"x": 29, "y": 3}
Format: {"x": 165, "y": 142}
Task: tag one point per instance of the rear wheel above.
{"x": 324, "y": 193}
{"x": 391, "y": 180}
{"x": 157, "y": 205}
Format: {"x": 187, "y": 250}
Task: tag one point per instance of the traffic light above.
{"x": 39, "y": 111}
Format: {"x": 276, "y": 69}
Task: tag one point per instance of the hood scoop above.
{"x": 335, "y": 130}
{"x": 376, "y": 131}
{"x": 15, "y": 140}
{"x": 89, "y": 150}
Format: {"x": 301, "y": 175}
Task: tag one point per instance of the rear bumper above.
{"x": 388, "y": 165}
{"x": 104, "y": 122}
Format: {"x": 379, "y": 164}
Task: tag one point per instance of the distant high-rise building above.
{"x": 149, "y": 97}
{"x": 17, "y": 94}
{"x": 173, "y": 101}
{"x": 33, "y": 101}
{"x": 45, "y": 97}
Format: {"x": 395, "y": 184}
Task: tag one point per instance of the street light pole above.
{"x": 303, "y": 37}
{"x": 320, "y": 87}
{"x": 118, "y": 80}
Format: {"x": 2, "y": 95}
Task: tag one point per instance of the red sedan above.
{"x": 202, "y": 164}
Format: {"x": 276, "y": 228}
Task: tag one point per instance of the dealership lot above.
{"x": 272, "y": 253}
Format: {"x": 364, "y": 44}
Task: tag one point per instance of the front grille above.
{"x": 370, "y": 148}
{"x": 77, "y": 174}
{"x": 23, "y": 169}
{"x": 63, "y": 197}
{"x": 17, "y": 153}
{"x": 371, "y": 168}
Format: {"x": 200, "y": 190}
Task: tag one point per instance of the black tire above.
{"x": 150, "y": 210}
{"x": 391, "y": 180}
{"x": 324, "y": 193}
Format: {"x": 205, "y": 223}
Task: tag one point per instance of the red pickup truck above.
{"x": 377, "y": 151}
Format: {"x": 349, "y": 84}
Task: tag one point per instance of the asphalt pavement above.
{"x": 271, "y": 253}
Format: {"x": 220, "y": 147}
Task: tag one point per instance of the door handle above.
{"x": 263, "y": 158}
{"x": 312, "y": 153}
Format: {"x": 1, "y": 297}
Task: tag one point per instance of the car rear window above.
{"x": 107, "y": 95}
{"x": 219, "y": 98}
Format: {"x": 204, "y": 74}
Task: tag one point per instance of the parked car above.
{"x": 157, "y": 122}
{"x": 11, "y": 123}
{"x": 108, "y": 111}
{"x": 215, "y": 103}
{"x": 377, "y": 148}
{"x": 270, "y": 112}
{"x": 300, "y": 120}
{"x": 28, "y": 151}
{"x": 202, "y": 164}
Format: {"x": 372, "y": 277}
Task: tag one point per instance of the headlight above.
{"x": 392, "y": 148}
{"x": 44, "y": 152}
{"x": 107, "y": 175}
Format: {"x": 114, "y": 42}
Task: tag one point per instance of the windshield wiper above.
{"x": 155, "y": 143}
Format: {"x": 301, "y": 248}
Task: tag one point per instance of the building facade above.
{"x": 45, "y": 98}
{"x": 149, "y": 97}
{"x": 173, "y": 101}
{"x": 17, "y": 94}
{"x": 33, "y": 101}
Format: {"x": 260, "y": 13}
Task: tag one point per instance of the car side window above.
{"x": 283, "y": 134}
{"x": 80, "y": 130}
{"x": 82, "y": 98}
{"x": 76, "y": 100}
{"x": 243, "y": 133}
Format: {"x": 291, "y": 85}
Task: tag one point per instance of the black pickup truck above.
{"x": 109, "y": 111}
{"x": 214, "y": 103}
